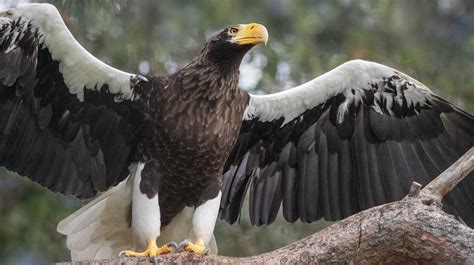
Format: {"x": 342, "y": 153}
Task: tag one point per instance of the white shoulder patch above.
{"x": 80, "y": 69}
{"x": 350, "y": 79}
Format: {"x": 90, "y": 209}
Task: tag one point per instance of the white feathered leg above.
{"x": 204, "y": 220}
{"x": 146, "y": 215}
{"x": 146, "y": 222}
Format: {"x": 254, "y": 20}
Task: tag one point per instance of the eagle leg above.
{"x": 199, "y": 247}
{"x": 204, "y": 220}
{"x": 151, "y": 251}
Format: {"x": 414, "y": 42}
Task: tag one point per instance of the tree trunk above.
{"x": 413, "y": 230}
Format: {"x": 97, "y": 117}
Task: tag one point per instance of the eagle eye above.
{"x": 233, "y": 31}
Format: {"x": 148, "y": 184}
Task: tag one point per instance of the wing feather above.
{"x": 289, "y": 190}
{"x": 350, "y": 139}
{"x": 347, "y": 189}
{"x": 67, "y": 120}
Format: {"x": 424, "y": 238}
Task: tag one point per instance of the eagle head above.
{"x": 230, "y": 45}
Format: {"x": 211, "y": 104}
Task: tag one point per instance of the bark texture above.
{"x": 414, "y": 230}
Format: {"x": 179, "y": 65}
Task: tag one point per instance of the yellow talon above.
{"x": 152, "y": 250}
{"x": 199, "y": 247}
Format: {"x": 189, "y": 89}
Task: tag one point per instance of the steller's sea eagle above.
{"x": 174, "y": 152}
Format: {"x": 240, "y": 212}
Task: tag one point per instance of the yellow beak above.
{"x": 252, "y": 33}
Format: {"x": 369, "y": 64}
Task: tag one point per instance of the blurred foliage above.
{"x": 432, "y": 41}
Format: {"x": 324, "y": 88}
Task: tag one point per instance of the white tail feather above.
{"x": 100, "y": 229}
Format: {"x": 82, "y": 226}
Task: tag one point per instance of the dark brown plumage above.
{"x": 195, "y": 117}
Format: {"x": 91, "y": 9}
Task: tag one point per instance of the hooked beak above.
{"x": 252, "y": 33}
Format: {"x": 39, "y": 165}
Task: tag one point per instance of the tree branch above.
{"x": 446, "y": 181}
{"x": 413, "y": 229}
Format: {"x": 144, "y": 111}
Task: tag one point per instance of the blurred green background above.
{"x": 433, "y": 41}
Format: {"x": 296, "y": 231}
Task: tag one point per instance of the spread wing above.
{"x": 350, "y": 139}
{"x": 67, "y": 120}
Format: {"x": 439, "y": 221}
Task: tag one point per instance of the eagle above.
{"x": 170, "y": 154}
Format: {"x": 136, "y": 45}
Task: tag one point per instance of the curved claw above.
{"x": 206, "y": 251}
{"x": 199, "y": 247}
{"x": 173, "y": 246}
{"x": 182, "y": 245}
